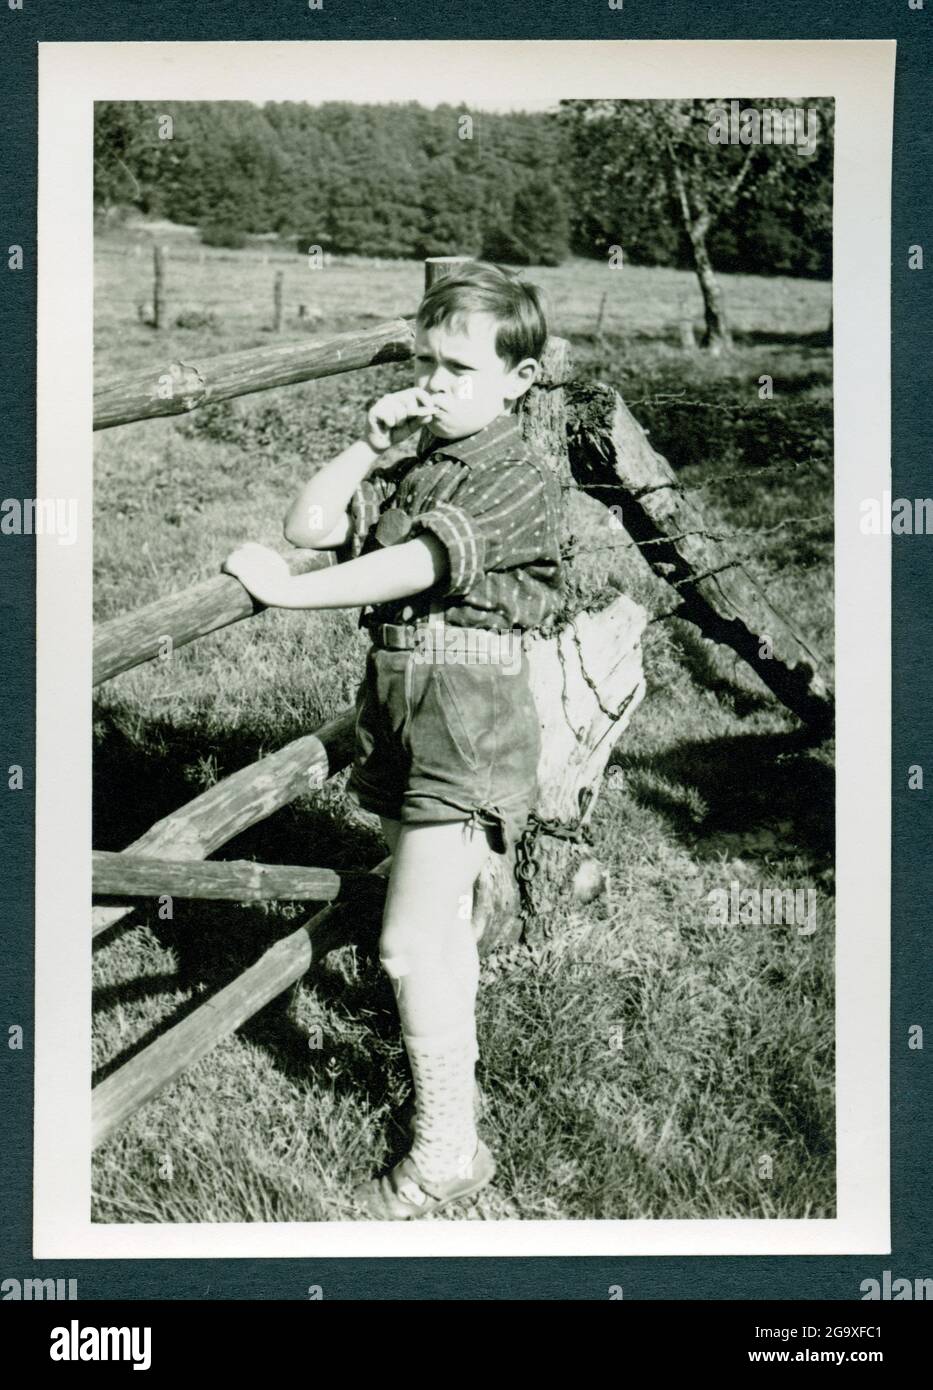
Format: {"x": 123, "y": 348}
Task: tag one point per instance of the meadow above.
{"x": 646, "y": 1061}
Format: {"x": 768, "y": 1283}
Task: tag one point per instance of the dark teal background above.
{"x": 811, "y": 1277}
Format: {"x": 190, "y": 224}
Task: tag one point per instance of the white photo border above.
{"x": 72, "y": 76}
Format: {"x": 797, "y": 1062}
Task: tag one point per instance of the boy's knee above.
{"x": 403, "y": 949}
{"x": 401, "y": 963}
{"x": 396, "y": 966}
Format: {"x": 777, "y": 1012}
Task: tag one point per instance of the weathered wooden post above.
{"x": 599, "y": 317}
{"x": 158, "y": 287}
{"x": 687, "y": 339}
{"x": 610, "y": 455}
{"x": 437, "y": 267}
{"x": 587, "y": 681}
{"x": 277, "y": 302}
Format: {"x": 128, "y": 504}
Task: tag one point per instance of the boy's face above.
{"x": 470, "y": 384}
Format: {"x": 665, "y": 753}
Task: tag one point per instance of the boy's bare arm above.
{"x": 319, "y": 512}
{"x": 317, "y": 519}
{"x": 399, "y": 571}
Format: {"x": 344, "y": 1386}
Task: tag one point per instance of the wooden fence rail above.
{"x": 241, "y": 800}
{"x": 230, "y": 880}
{"x": 287, "y": 960}
{"x": 173, "y": 621}
{"x": 180, "y": 387}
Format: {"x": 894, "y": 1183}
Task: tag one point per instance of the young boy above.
{"x": 462, "y": 535}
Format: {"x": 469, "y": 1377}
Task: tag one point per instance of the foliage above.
{"x": 223, "y": 234}
{"x": 399, "y": 180}
{"x": 780, "y": 200}
{"x": 196, "y": 319}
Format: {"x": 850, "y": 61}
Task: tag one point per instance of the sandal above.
{"x": 404, "y": 1193}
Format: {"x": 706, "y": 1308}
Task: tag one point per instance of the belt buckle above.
{"x": 394, "y": 636}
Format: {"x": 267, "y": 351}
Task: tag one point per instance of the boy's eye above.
{"x": 456, "y": 367}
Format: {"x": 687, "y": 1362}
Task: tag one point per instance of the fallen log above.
{"x": 611, "y": 459}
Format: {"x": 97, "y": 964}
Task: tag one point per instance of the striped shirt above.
{"x": 496, "y": 510}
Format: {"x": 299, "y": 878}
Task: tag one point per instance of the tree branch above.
{"x": 732, "y": 189}
{"x": 680, "y": 184}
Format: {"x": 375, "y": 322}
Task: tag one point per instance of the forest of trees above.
{"x": 400, "y": 180}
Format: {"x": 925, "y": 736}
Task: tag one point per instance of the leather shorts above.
{"x": 444, "y": 740}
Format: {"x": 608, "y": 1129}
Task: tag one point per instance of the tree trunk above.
{"x": 697, "y": 220}
{"x": 587, "y": 682}
{"x": 717, "y": 337}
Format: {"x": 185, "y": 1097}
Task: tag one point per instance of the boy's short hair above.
{"x": 482, "y": 288}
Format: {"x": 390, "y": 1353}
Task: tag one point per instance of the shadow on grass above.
{"x": 698, "y": 658}
{"x": 738, "y": 784}
{"x": 820, "y": 338}
{"x": 142, "y": 778}
{"x": 214, "y": 943}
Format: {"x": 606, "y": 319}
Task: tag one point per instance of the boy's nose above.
{"x": 437, "y": 380}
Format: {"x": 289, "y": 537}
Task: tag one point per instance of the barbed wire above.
{"x": 679, "y": 399}
{"x": 571, "y": 552}
{"x": 738, "y": 558}
{"x": 716, "y": 481}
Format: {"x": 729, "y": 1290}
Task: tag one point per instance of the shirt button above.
{"x": 407, "y": 613}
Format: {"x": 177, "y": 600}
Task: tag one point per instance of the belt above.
{"x": 400, "y": 636}
{"x": 408, "y": 636}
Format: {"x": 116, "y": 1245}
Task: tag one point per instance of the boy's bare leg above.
{"x": 428, "y": 950}
{"x": 426, "y": 924}
{"x": 391, "y": 830}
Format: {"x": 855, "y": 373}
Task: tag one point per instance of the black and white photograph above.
{"x": 480, "y": 537}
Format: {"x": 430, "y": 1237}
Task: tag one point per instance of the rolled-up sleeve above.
{"x": 496, "y": 519}
{"x": 365, "y": 508}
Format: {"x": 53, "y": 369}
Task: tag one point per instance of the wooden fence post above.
{"x": 599, "y": 317}
{"x": 687, "y": 339}
{"x": 277, "y": 302}
{"x": 437, "y": 267}
{"x": 158, "y": 287}
{"x": 612, "y": 458}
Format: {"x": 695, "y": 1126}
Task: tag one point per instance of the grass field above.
{"x": 650, "y": 1062}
